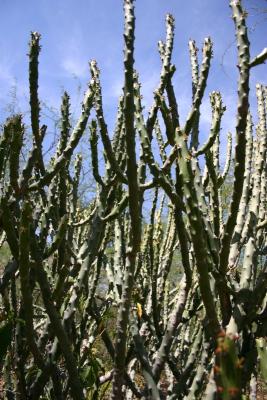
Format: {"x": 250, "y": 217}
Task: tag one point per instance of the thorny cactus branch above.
{"x": 102, "y": 124}
{"x": 165, "y": 71}
{"x": 34, "y": 100}
{"x": 26, "y": 290}
{"x": 259, "y": 59}
{"x": 242, "y": 112}
{"x": 134, "y": 198}
{"x": 192, "y": 118}
{"x": 72, "y": 143}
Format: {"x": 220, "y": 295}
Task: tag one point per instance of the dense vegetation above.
{"x": 100, "y": 301}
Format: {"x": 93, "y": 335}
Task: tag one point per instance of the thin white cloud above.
{"x": 6, "y": 76}
{"x": 73, "y": 58}
{"x": 75, "y": 66}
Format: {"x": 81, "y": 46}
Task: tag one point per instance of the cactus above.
{"x": 147, "y": 294}
{"x": 227, "y": 369}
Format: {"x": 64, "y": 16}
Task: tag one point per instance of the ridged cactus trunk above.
{"x": 134, "y": 235}
{"x": 102, "y": 299}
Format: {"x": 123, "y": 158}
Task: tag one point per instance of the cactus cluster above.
{"x": 101, "y": 299}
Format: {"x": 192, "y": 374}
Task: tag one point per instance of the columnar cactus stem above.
{"x": 144, "y": 360}
{"x": 65, "y": 123}
{"x": 9, "y": 226}
{"x": 34, "y": 100}
{"x": 155, "y": 170}
{"x": 203, "y": 258}
{"x": 16, "y": 132}
{"x": 214, "y": 195}
{"x": 4, "y": 147}
{"x": 218, "y": 110}
{"x": 254, "y": 204}
{"x": 63, "y": 176}
{"x": 102, "y": 124}
{"x": 195, "y": 78}
{"x": 227, "y": 160}
{"x": 94, "y": 152}
{"x": 153, "y": 265}
{"x": 235, "y": 246}
{"x": 26, "y": 290}
{"x": 72, "y": 143}
{"x": 71, "y": 364}
{"x": 160, "y": 141}
{"x": 134, "y": 209}
{"x": 174, "y": 319}
{"x": 194, "y": 66}
{"x": 242, "y": 112}
{"x": 203, "y": 75}
{"x": 165, "y": 71}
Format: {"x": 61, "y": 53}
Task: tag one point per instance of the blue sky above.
{"x": 76, "y": 31}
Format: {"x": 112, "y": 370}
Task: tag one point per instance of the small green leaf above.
{"x": 89, "y": 373}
